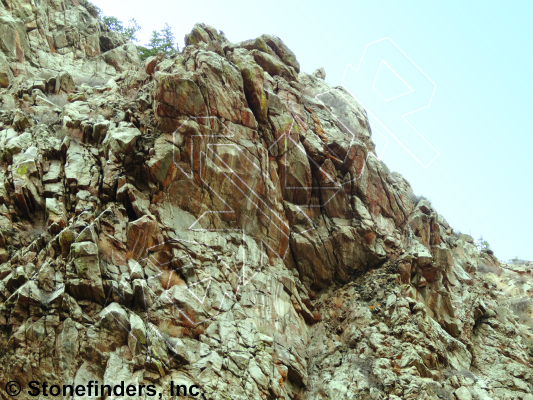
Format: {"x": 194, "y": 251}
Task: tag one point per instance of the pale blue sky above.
{"x": 479, "y": 55}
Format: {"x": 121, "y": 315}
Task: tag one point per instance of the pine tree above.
{"x": 162, "y": 41}
{"x": 167, "y": 40}
{"x": 131, "y": 31}
{"x": 153, "y": 46}
{"x": 113, "y": 23}
{"x": 116, "y": 25}
{"x": 482, "y": 244}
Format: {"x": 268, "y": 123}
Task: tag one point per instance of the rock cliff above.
{"x": 219, "y": 219}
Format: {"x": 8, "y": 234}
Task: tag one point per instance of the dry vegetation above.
{"x": 486, "y": 269}
{"x": 449, "y": 372}
{"x": 416, "y": 199}
{"x": 366, "y": 367}
{"x": 91, "y": 81}
{"x": 47, "y": 117}
{"x": 106, "y": 112}
{"x": 521, "y": 307}
{"x": 72, "y": 133}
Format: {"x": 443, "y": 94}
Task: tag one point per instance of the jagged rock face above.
{"x": 40, "y": 38}
{"x": 220, "y": 219}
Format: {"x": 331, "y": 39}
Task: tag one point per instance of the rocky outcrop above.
{"x": 220, "y": 219}
{"x": 42, "y": 41}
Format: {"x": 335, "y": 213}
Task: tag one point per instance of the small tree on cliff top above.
{"x": 482, "y": 244}
{"x": 131, "y": 30}
{"x": 116, "y": 25}
{"x": 162, "y": 41}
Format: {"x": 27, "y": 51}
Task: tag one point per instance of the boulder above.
{"x": 283, "y": 52}
{"x": 57, "y": 215}
{"x": 121, "y": 140}
{"x": 80, "y": 166}
{"x": 123, "y": 58}
{"x": 64, "y": 83}
{"x": 88, "y": 282}
{"x": 253, "y": 80}
{"x": 110, "y": 40}
{"x": 320, "y": 73}
{"x": 176, "y": 96}
{"x": 6, "y": 76}
{"x": 76, "y": 112}
{"x": 272, "y": 65}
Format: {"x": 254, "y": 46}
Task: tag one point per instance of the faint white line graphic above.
{"x": 390, "y": 113}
